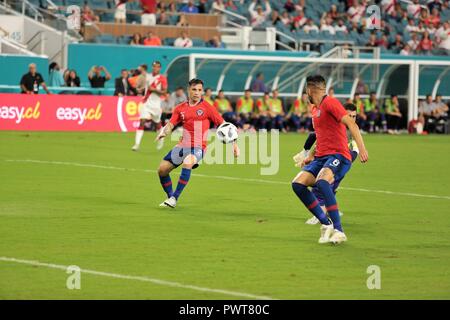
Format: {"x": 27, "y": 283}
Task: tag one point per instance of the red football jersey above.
{"x": 196, "y": 122}
{"x": 331, "y": 133}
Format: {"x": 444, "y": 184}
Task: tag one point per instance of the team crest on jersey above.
{"x": 199, "y": 112}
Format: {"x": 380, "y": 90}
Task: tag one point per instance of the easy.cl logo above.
{"x": 79, "y": 114}
{"x": 20, "y": 113}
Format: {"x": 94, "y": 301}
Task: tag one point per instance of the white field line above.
{"x": 138, "y": 278}
{"x": 87, "y": 165}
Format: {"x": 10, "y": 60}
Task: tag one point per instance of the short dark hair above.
{"x": 156, "y": 62}
{"x": 220, "y": 91}
{"x": 349, "y": 107}
{"x": 393, "y": 96}
{"x": 372, "y": 92}
{"x": 144, "y": 66}
{"x": 315, "y": 80}
{"x": 195, "y": 81}
{"x": 208, "y": 89}
{"x": 248, "y": 90}
{"x": 179, "y": 88}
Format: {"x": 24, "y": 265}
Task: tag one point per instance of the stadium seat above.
{"x": 168, "y": 42}
{"x": 98, "y": 4}
{"x": 105, "y": 38}
{"x": 79, "y": 3}
{"x": 107, "y": 17}
{"x": 197, "y": 42}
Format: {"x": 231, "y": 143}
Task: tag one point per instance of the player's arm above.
{"x": 44, "y": 86}
{"x": 356, "y": 134}
{"x": 300, "y": 157}
{"x": 107, "y": 74}
{"x": 166, "y": 131}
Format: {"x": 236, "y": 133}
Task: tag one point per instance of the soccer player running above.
{"x": 151, "y": 110}
{"x": 332, "y": 158}
{"x": 195, "y": 115}
{"x": 307, "y": 155}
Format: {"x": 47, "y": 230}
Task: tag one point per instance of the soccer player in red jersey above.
{"x": 332, "y": 158}
{"x": 195, "y": 115}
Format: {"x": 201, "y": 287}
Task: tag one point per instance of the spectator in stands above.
{"x": 120, "y": 15}
{"x": 152, "y": 40}
{"x": 326, "y": 26}
{"x": 183, "y": 21}
{"x": 424, "y": 16}
{"x": 393, "y": 114}
{"x": 172, "y": 8}
{"x": 356, "y": 12}
{"x": 397, "y": 45}
{"x": 258, "y": 84}
{"x": 373, "y": 42}
{"x": 331, "y": 92}
{"x": 441, "y": 114}
{"x": 411, "y": 27}
{"x": 434, "y": 19}
{"x": 229, "y": 5}
{"x": 286, "y": 18}
{"x": 202, "y": 6}
{"x": 310, "y": 26}
{"x": 289, "y": 6}
{"x": 275, "y": 18}
{"x": 163, "y": 20}
{"x": 414, "y": 9}
{"x": 300, "y": 5}
{"x": 141, "y": 81}
{"x": 443, "y": 38}
{"x": 259, "y": 16}
{"x": 183, "y": 41}
{"x": 72, "y": 79}
{"x": 426, "y": 45}
{"x": 122, "y": 85}
{"x": 406, "y": 51}
{"x": 300, "y": 18}
{"x": 244, "y": 109}
{"x": 277, "y": 112}
{"x": 190, "y": 8}
{"x": 148, "y": 17}
{"x": 31, "y": 81}
{"x": 333, "y": 13}
{"x": 388, "y": 6}
{"x": 427, "y": 110}
{"x": 55, "y": 77}
{"x": 136, "y": 39}
{"x": 96, "y": 78}
{"x": 340, "y": 27}
{"x": 420, "y": 28}
{"x": 294, "y": 116}
{"x": 217, "y": 7}
{"x": 215, "y": 42}
{"x": 223, "y": 105}
{"x": 208, "y": 96}
{"x": 413, "y": 43}
{"x": 88, "y": 15}
{"x": 383, "y": 42}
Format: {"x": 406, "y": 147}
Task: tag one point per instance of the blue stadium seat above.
{"x": 105, "y": 38}
{"x": 169, "y": 41}
{"x": 107, "y": 17}
{"x": 98, "y": 4}
{"x": 197, "y": 42}
{"x": 79, "y": 3}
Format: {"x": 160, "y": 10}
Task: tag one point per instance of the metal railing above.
{"x": 227, "y": 14}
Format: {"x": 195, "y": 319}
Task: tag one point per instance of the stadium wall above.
{"x": 14, "y": 66}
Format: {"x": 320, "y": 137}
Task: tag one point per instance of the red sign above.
{"x": 68, "y": 112}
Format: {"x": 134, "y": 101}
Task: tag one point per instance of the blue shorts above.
{"x": 177, "y": 155}
{"x": 339, "y": 164}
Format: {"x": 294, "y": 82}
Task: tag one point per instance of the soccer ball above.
{"x": 227, "y": 132}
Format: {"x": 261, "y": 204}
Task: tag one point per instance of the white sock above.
{"x": 139, "y": 135}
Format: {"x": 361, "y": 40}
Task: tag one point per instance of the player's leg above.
{"x": 156, "y": 114}
{"x": 300, "y": 186}
{"x": 165, "y": 167}
{"x": 335, "y": 168}
{"x": 191, "y": 159}
{"x": 144, "y": 116}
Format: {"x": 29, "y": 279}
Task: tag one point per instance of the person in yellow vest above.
{"x": 394, "y": 116}
{"x": 244, "y": 109}
{"x": 277, "y": 112}
{"x": 223, "y": 105}
{"x": 374, "y": 113}
{"x": 263, "y": 111}
{"x": 300, "y": 114}
{"x": 208, "y": 96}
{"x": 361, "y": 120}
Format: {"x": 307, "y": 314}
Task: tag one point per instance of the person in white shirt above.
{"x": 310, "y": 26}
{"x": 184, "y": 41}
{"x": 443, "y": 37}
{"x": 218, "y": 4}
{"x": 340, "y": 27}
{"x": 406, "y": 51}
{"x": 326, "y": 26}
{"x": 414, "y": 9}
{"x": 413, "y": 43}
{"x": 259, "y": 16}
{"x": 411, "y": 27}
{"x": 120, "y": 15}
{"x": 388, "y": 6}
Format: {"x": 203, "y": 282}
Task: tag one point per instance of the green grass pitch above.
{"x": 242, "y": 236}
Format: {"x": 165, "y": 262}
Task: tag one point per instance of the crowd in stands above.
{"x": 406, "y": 26}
